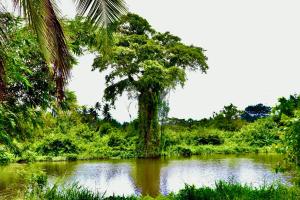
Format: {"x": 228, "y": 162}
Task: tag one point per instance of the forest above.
{"x": 41, "y": 120}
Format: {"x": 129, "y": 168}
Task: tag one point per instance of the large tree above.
{"x": 43, "y": 16}
{"x": 146, "y": 63}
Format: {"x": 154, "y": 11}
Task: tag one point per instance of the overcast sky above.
{"x": 252, "y": 47}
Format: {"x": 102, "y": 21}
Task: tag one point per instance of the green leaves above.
{"x": 42, "y": 16}
{"x": 101, "y": 12}
{"x": 143, "y": 59}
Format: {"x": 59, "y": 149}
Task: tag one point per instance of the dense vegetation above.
{"x": 40, "y": 120}
{"x": 35, "y": 127}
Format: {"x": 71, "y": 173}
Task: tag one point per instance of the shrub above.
{"x": 183, "y": 151}
{"x": 292, "y": 139}
{"x": 263, "y": 132}
{"x": 58, "y": 145}
{"x": 105, "y": 129}
{"x": 209, "y": 139}
{"x": 72, "y": 157}
{"x": 115, "y": 140}
{"x": 28, "y": 156}
{"x": 5, "y": 157}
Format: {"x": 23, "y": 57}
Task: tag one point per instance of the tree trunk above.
{"x": 148, "y": 124}
{"x": 2, "y": 82}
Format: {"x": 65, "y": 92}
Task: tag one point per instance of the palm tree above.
{"x": 43, "y": 17}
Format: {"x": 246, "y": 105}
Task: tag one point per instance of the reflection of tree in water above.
{"x": 114, "y": 170}
{"x": 146, "y": 175}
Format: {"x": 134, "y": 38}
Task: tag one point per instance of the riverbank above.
{"x": 174, "y": 151}
{"x": 221, "y": 191}
{"x": 81, "y": 141}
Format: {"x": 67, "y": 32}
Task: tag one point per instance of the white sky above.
{"x": 252, "y": 48}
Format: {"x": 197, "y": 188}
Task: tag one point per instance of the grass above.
{"x": 221, "y": 191}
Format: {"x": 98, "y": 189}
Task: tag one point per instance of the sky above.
{"x": 252, "y": 48}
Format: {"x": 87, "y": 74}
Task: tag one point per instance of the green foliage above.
{"x": 209, "y": 139}
{"x": 145, "y": 63}
{"x": 231, "y": 191}
{"x": 184, "y": 151}
{"x": 58, "y": 145}
{"x": 228, "y": 119}
{"x": 28, "y": 83}
{"x": 105, "y": 129}
{"x": 286, "y": 106}
{"x": 5, "y": 157}
{"x": 72, "y": 157}
{"x": 28, "y": 156}
{"x": 221, "y": 191}
{"x": 292, "y": 138}
{"x": 115, "y": 140}
{"x": 263, "y": 132}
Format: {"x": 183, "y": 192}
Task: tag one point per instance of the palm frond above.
{"x": 33, "y": 11}
{"x": 42, "y": 15}
{"x": 61, "y": 57}
{"x": 101, "y": 12}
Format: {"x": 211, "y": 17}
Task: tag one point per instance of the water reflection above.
{"x": 146, "y": 174}
{"x": 151, "y": 176}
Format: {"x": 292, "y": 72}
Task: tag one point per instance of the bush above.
{"x": 115, "y": 140}
{"x": 58, "y": 145}
{"x": 28, "y": 156}
{"x": 209, "y": 139}
{"x": 72, "y": 157}
{"x": 183, "y": 151}
{"x": 105, "y": 129}
{"x": 292, "y": 139}
{"x": 263, "y": 132}
{"x": 5, "y": 157}
{"x": 228, "y": 191}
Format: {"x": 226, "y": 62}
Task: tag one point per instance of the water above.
{"x": 150, "y": 176}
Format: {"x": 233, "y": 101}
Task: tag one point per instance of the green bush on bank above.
{"x": 5, "y": 157}
{"x": 263, "y": 132}
{"x": 68, "y": 137}
{"x": 58, "y": 145}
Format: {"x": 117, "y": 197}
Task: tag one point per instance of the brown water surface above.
{"x": 149, "y": 176}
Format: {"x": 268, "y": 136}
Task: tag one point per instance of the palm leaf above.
{"x": 101, "y": 12}
{"x": 42, "y": 15}
{"x": 61, "y": 57}
{"x": 34, "y": 12}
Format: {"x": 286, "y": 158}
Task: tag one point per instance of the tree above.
{"x": 43, "y": 17}
{"x": 228, "y": 118}
{"x": 145, "y": 63}
{"x": 163, "y": 112}
{"x": 28, "y": 82}
{"x": 252, "y": 113}
{"x": 286, "y": 106}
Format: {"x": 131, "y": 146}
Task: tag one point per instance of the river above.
{"x": 149, "y": 176}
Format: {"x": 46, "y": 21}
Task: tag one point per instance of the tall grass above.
{"x": 221, "y": 191}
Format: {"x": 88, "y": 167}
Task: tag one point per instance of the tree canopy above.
{"x": 144, "y": 63}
